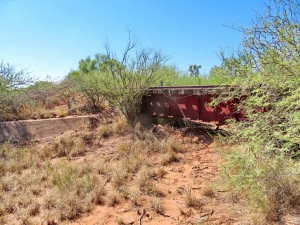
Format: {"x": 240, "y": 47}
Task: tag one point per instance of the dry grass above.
{"x": 113, "y": 198}
{"x": 73, "y": 190}
{"x": 37, "y": 189}
{"x": 160, "y": 172}
{"x": 104, "y": 131}
{"x": 283, "y": 193}
{"x": 168, "y": 157}
{"x": 67, "y": 145}
{"x": 118, "y": 176}
{"x": 208, "y": 191}
{"x": 190, "y": 199}
{"x": 102, "y": 166}
{"x": 272, "y": 188}
{"x": 146, "y": 184}
{"x": 120, "y": 221}
{"x": 120, "y": 126}
{"x": 58, "y": 189}
{"x": 156, "y": 205}
{"x": 88, "y": 136}
{"x": 134, "y": 195}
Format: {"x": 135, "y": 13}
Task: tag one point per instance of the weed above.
{"x": 120, "y": 221}
{"x": 160, "y": 172}
{"x": 33, "y": 209}
{"x": 16, "y": 159}
{"x": 113, "y": 198}
{"x": 168, "y": 157}
{"x": 99, "y": 193}
{"x": 102, "y": 166}
{"x": 134, "y": 196}
{"x": 62, "y": 112}
{"x": 68, "y": 146}
{"x": 120, "y": 126}
{"x": 190, "y": 199}
{"x": 173, "y": 146}
{"x": 87, "y": 136}
{"x": 125, "y": 148}
{"x": 73, "y": 190}
{"x": 146, "y": 184}
{"x": 156, "y": 205}
{"x": 118, "y": 176}
{"x": 8, "y": 183}
{"x": 208, "y": 191}
{"x": 104, "y": 131}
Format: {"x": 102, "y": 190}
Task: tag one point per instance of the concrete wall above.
{"x": 25, "y": 130}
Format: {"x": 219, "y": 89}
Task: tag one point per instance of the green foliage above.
{"x": 271, "y": 133}
{"x": 194, "y": 70}
{"x": 12, "y": 99}
{"x": 232, "y": 67}
{"x": 271, "y": 187}
{"x": 123, "y": 81}
{"x": 171, "y": 76}
{"x": 11, "y": 79}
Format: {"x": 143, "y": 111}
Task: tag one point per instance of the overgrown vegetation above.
{"x": 23, "y": 98}
{"x": 262, "y": 166}
{"x": 266, "y": 165}
{"x": 121, "y": 81}
{"x": 45, "y": 181}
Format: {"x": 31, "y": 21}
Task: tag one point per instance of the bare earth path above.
{"x": 198, "y": 169}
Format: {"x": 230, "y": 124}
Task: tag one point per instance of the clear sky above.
{"x": 49, "y": 37}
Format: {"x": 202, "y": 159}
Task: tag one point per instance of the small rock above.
{"x": 195, "y": 140}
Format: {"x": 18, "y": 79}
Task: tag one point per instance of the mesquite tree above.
{"x": 122, "y": 80}
{"x": 11, "y": 83}
{"x": 267, "y": 165}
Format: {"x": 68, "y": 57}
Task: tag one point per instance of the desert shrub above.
{"x": 69, "y": 94}
{"x": 268, "y": 69}
{"x": 190, "y": 199}
{"x": 168, "y": 157}
{"x": 113, "y": 198}
{"x": 121, "y": 81}
{"x": 10, "y": 78}
{"x": 74, "y": 190}
{"x": 120, "y": 126}
{"x": 157, "y": 205}
{"x": 15, "y": 105}
{"x": 67, "y": 145}
{"x": 44, "y": 94}
{"x": 271, "y": 186}
{"x": 16, "y": 159}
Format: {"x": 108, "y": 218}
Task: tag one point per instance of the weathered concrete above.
{"x": 25, "y": 130}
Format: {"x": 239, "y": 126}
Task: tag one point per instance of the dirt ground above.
{"x": 162, "y": 176}
{"x": 198, "y": 170}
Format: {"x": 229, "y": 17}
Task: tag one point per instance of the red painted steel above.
{"x": 194, "y": 107}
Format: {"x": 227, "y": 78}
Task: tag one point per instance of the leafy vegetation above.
{"x": 121, "y": 82}
{"x": 266, "y": 165}
{"x": 262, "y": 166}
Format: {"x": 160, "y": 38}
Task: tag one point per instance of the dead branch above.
{"x": 140, "y": 219}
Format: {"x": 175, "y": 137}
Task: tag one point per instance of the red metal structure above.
{"x": 190, "y": 102}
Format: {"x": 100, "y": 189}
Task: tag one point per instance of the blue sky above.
{"x": 49, "y": 37}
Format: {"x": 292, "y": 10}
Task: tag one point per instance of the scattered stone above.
{"x": 195, "y": 140}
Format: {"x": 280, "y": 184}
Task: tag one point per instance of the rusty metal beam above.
{"x": 191, "y": 102}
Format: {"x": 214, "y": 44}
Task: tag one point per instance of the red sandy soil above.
{"x": 198, "y": 167}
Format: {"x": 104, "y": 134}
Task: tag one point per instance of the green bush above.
{"x": 267, "y": 165}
